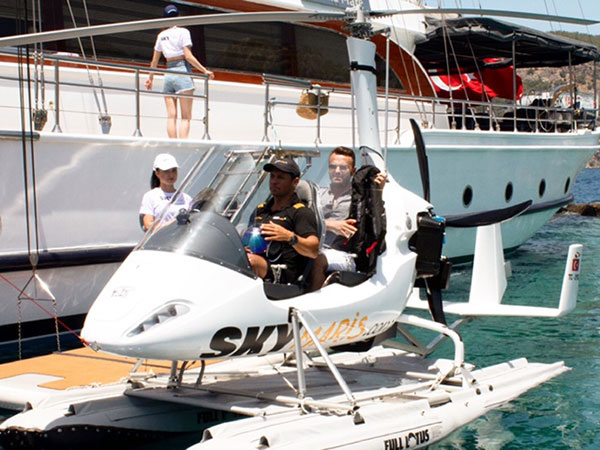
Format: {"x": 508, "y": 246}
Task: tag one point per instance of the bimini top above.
{"x": 485, "y": 38}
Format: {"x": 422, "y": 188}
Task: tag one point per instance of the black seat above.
{"x": 307, "y": 192}
{"x": 347, "y": 278}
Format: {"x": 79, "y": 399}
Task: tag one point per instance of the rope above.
{"x": 414, "y": 91}
{"x": 28, "y": 297}
{"x": 87, "y": 18}
{"x": 32, "y": 251}
{"x": 41, "y": 50}
{"x": 91, "y": 79}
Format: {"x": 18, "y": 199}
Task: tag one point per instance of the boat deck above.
{"x": 83, "y": 366}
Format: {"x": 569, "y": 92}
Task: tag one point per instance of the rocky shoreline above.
{"x": 594, "y": 163}
{"x": 583, "y": 209}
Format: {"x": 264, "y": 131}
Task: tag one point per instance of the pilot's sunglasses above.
{"x": 342, "y": 167}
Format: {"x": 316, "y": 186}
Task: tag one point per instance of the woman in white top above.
{"x": 157, "y": 200}
{"x": 175, "y": 45}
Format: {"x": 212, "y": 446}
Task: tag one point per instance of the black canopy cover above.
{"x": 472, "y": 39}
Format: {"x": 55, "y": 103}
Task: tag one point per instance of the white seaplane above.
{"x": 187, "y": 293}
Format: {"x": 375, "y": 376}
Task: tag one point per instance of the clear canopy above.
{"x": 226, "y": 184}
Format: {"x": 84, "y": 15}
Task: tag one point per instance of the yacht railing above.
{"x": 60, "y": 60}
{"x": 461, "y": 114}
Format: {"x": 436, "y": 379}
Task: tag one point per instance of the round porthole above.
{"x": 542, "y": 188}
{"x": 567, "y": 184}
{"x": 467, "y": 196}
{"x": 508, "y": 192}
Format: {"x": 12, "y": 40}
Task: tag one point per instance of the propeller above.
{"x": 433, "y": 270}
{"x": 356, "y": 16}
{"x": 485, "y": 12}
{"x": 422, "y": 158}
{"x": 149, "y": 24}
{"x": 433, "y": 274}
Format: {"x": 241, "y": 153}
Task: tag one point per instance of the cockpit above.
{"x": 226, "y": 186}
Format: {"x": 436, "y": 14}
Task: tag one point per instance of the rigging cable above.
{"x": 387, "y": 96}
{"x": 39, "y": 113}
{"x": 415, "y": 91}
{"x": 25, "y": 140}
{"x": 64, "y": 325}
{"x": 91, "y": 79}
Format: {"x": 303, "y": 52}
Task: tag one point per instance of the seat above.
{"x": 308, "y": 193}
{"x": 346, "y": 278}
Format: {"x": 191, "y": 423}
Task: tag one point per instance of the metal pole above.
{"x": 514, "y": 61}
{"x": 398, "y": 111}
{"x": 334, "y": 371}
{"x": 299, "y": 356}
{"x": 318, "y": 140}
{"x": 137, "y": 131}
{"x": 572, "y": 93}
{"x": 595, "y": 102}
{"x": 387, "y": 94}
{"x": 266, "y": 122}
{"x": 56, "y": 98}
{"x": 352, "y": 108}
{"x": 206, "y": 109}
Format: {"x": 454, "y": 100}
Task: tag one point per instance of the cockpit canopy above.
{"x": 226, "y": 185}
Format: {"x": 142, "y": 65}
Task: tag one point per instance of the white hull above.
{"x": 394, "y": 393}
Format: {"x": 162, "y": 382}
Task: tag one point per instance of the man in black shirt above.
{"x": 287, "y": 224}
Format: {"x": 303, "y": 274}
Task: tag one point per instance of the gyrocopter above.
{"x": 187, "y": 292}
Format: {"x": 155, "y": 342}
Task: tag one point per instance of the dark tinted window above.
{"x": 203, "y": 235}
{"x": 274, "y": 48}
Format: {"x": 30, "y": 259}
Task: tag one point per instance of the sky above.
{"x": 570, "y": 8}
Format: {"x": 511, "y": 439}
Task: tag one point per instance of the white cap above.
{"x": 164, "y": 161}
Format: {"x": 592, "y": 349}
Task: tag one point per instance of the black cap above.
{"x": 287, "y": 165}
{"x": 171, "y": 11}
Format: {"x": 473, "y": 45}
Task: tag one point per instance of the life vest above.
{"x": 368, "y": 209}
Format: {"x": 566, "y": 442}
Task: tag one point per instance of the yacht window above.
{"x": 542, "y": 188}
{"x": 253, "y": 47}
{"x": 508, "y": 192}
{"x": 302, "y": 51}
{"x": 567, "y": 184}
{"x": 467, "y": 196}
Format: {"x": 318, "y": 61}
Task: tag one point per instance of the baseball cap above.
{"x": 171, "y": 11}
{"x": 164, "y": 161}
{"x": 285, "y": 165}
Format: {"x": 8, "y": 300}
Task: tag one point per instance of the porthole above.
{"x": 542, "y": 188}
{"x": 508, "y": 192}
{"x": 567, "y": 184}
{"x": 467, "y": 196}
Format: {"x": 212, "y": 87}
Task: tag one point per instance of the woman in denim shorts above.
{"x": 175, "y": 45}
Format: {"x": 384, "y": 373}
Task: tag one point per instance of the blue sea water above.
{"x": 565, "y": 412}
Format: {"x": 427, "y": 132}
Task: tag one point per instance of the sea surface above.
{"x": 565, "y": 412}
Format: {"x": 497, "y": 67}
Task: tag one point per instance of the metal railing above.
{"x": 461, "y": 114}
{"x": 136, "y": 90}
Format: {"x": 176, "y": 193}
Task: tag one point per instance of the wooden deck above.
{"x": 79, "y": 367}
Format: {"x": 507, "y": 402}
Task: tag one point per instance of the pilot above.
{"x": 287, "y": 224}
{"x": 334, "y": 202}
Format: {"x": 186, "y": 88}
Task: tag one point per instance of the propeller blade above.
{"x": 434, "y": 300}
{"x": 486, "y": 217}
{"x": 422, "y": 158}
{"x": 137, "y": 25}
{"x": 486, "y": 12}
